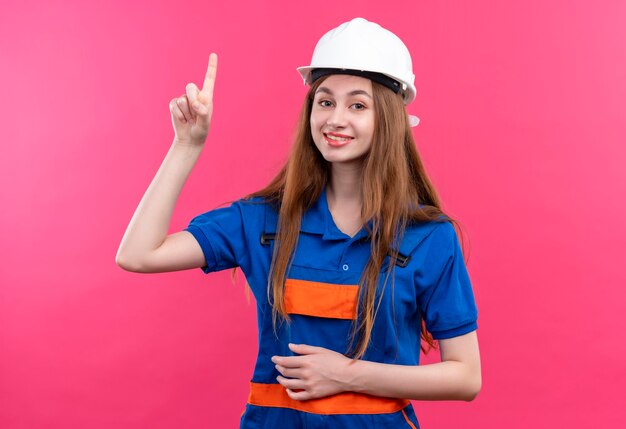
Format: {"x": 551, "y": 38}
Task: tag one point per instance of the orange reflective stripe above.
{"x": 321, "y": 299}
{"x": 407, "y": 420}
{"x": 275, "y": 395}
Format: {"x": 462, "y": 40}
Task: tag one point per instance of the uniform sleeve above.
{"x": 447, "y": 302}
{"x": 220, "y": 233}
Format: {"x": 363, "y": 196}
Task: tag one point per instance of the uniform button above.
{"x": 345, "y": 267}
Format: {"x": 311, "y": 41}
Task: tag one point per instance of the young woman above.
{"x": 350, "y": 259}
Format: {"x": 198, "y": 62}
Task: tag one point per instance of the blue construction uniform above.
{"x": 431, "y": 281}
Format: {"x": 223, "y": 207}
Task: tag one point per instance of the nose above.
{"x": 337, "y": 118}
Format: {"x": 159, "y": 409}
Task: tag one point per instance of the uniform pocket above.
{"x": 326, "y": 300}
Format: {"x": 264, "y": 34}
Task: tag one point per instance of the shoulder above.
{"x": 258, "y": 214}
{"x": 443, "y": 232}
{"x": 241, "y": 211}
{"x": 255, "y": 206}
{"x": 436, "y": 231}
{"x": 429, "y": 238}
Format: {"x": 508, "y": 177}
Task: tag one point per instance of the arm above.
{"x": 147, "y": 230}
{"x": 321, "y": 372}
{"x": 148, "y": 227}
{"x": 456, "y": 377}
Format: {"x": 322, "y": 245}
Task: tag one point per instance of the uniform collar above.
{"x": 319, "y": 220}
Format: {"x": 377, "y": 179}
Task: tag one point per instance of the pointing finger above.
{"x": 209, "y": 79}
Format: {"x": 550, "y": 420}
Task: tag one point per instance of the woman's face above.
{"x": 342, "y": 118}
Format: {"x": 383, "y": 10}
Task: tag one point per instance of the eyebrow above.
{"x": 355, "y": 92}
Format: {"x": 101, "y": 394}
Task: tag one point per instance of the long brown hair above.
{"x": 394, "y": 184}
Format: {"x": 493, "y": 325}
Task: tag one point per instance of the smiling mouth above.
{"x": 337, "y": 141}
{"x": 338, "y": 138}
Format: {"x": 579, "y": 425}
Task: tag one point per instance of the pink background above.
{"x": 523, "y": 128}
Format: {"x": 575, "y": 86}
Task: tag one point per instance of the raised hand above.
{"x": 191, "y": 112}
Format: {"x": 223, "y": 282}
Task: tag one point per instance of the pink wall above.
{"x": 523, "y": 128}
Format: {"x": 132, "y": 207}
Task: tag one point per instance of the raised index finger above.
{"x": 209, "y": 79}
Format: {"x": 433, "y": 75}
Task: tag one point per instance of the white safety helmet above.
{"x": 364, "y": 48}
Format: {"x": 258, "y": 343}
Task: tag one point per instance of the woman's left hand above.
{"x": 316, "y": 373}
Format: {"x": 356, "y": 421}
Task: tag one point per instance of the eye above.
{"x": 321, "y": 103}
{"x": 360, "y": 106}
